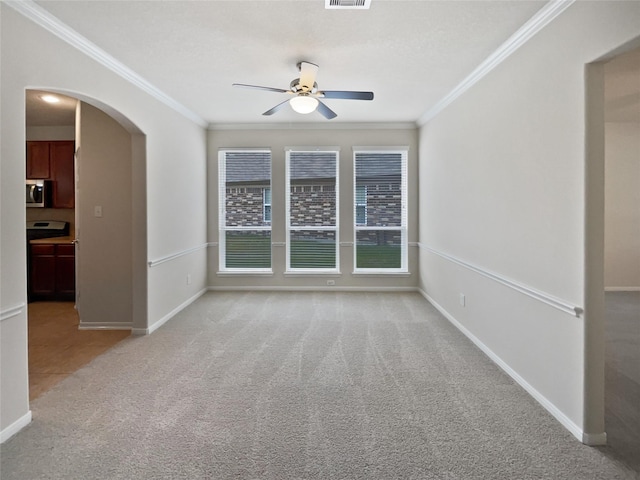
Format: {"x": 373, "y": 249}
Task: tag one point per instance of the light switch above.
{"x": 97, "y": 211}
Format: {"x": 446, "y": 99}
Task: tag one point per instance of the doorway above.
{"x": 622, "y": 254}
{"x": 109, "y": 163}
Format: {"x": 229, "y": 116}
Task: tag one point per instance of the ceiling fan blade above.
{"x": 346, "y": 95}
{"x": 276, "y": 108}
{"x": 257, "y": 87}
{"x": 325, "y": 111}
{"x": 308, "y": 73}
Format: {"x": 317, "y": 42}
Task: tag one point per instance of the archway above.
{"x": 109, "y": 224}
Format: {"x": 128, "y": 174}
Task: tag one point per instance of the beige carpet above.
{"x": 298, "y": 385}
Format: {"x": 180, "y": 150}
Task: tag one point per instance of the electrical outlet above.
{"x": 188, "y": 279}
{"x": 331, "y": 283}
{"x": 462, "y": 299}
{"x": 97, "y": 211}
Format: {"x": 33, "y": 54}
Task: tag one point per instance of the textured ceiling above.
{"x": 410, "y": 53}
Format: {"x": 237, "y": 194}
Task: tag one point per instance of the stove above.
{"x": 47, "y": 229}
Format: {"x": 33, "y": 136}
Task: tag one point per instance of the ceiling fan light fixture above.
{"x": 303, "y": 104}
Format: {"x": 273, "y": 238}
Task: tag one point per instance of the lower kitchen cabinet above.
{"x": 52, "y": 272}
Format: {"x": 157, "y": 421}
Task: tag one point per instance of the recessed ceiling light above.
{"x": 50, "y": 98}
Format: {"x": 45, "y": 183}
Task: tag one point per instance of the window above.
{"x": 312, "y": 210}
{"x": 380, "y": 211}
{"x": 244, "y": 219}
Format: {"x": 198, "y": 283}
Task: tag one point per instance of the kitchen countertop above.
{"x": 52, "y": 240}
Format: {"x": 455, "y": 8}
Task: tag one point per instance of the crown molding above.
{"x": 313, "y": 126}
{"x": 34, "y": 12}
{"x": 536, "y": 23}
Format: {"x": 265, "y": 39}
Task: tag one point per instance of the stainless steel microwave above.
{"x": 38, "y": 193}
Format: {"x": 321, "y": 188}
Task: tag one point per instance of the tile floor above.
{"x": 57, "y": 348}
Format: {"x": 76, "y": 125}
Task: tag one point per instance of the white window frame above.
{"x": 404, "y": 247}
{"x": 222, "y": 214}
{"x": 290, "y": 229}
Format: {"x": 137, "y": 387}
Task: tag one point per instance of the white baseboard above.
{"x": 15, "y": 427}
{"x": 153, "y": 327}
{"x": 566, "y": 422}
{"x": 622, "y": 289}
{"x": 104, "y": 326}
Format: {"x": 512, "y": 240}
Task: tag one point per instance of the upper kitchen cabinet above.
{"x": 54, "y": 160}
{"x": 38, "y": 165}
{"x": 62, "y": 172}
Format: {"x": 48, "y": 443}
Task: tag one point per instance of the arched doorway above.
{"x": 108, "y": 220}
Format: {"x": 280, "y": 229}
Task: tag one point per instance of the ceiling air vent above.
{"x": 347, "y": 4}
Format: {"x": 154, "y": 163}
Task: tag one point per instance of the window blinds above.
{"x": 244, "y": 214}
{"x": 312, "y": 210}
{"x": 380, "y": 213}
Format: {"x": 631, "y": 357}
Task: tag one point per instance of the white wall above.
{"x": 502, "y": 193}
{"x": 344, "y": 138}
{"x": 174, "y": 180}
{"x": 622, "y": 206}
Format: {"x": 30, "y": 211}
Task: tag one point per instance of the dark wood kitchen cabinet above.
{"x": 54, "y": 161}
{"x": 52, "y": 272}
{"x": 38, "y": 165}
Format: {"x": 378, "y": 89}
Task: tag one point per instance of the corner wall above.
{"x": 502, "y": 213}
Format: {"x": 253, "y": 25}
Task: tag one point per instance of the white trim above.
{"x": 49, "y": 22}
{"x": 332, "y": 288}
{"x": 536, "y": 23}
{"x": 315, "y": 148}
{"x": 15, "y": 427}
{"x": 11, "y": 312}
{"x": 173, "y": 256}
{"x": 384, "y": 148}
{"x": 212, "y": 244}
{"x": 245, "y": 149}
{"x": 575, "y": 430}
{"x": 622, "y": 289}
{"x": 543, "y": 297}
{"x": 104, "y": 326}
{"x": 312, "y": 126}
{"x": 153, "y": 327}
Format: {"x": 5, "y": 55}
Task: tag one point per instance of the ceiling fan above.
{"x": 306, "y": 94}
